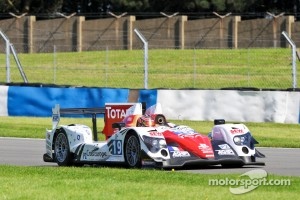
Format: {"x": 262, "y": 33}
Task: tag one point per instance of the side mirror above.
{"x": 118, "y": 125}
{"x": 219, "y": 121}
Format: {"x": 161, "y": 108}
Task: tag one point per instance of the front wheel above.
{"x": 62, "y": 150}
{"x": 132, "y": 151}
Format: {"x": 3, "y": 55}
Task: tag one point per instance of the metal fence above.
{"x": 193, "y": 68}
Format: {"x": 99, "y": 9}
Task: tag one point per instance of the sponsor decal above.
{"x": 206, "y": 149}
{"x": 189, "y": 135}
{"x": 236, "y": 131}
{"x": 155, "y": 133}
{"x": 203, "y": 146}
{"x": 178, "y": 152}
{"x": 94, "y": 153}
{"x": 225, "y": 150}
{"x": 115, "y": 113}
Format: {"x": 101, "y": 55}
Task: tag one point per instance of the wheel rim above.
{"x": 61, "y": 147}
{"x": 132, "y": 150}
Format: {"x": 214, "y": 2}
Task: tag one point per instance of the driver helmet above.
{"x": 145, "y": 121}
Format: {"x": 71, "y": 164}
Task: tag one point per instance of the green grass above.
{"x": 113, "y": 183}
{"x": 268, "y": 134}
{"x": 199, "y": 68}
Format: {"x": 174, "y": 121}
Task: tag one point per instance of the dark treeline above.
{"x": 136, "y": 7}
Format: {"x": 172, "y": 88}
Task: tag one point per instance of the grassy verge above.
{"x": 113, "y": 183}
{"x": 200, "y": 68}
{"x": 268, "y": 134}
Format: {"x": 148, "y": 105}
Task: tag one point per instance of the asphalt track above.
{"x": 29, "y": 152}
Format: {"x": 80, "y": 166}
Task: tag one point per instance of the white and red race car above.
{"x": 138, "y": 137}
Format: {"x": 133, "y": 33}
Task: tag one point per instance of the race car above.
{"x": 138, "y": 137}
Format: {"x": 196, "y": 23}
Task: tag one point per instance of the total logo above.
{"x": 115, "y": 113}
{"x": 225, "y": 150}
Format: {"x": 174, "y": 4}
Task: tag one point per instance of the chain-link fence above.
{"x": 195, "y": 66}
{"x": 167, "y": 68}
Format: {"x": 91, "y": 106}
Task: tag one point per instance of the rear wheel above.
{"x": 62, "y": 149}
{"x": 132, "y": 151}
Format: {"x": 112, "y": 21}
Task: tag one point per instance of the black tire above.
{"x": 132, "y": 151}
{"x": 62, "y": 149}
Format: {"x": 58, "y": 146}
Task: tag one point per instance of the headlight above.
{"x": 162, "y": 143}
{"x": 245, "y": 139}
{"x": 154, "y": 144}
{"x": 237, "y": 140}
{"x": 242, "y": 139}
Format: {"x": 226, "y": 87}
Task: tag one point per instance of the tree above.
{"x": 141, "y": 6}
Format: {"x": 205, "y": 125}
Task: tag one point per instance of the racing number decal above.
{"x": 117, "y": 147}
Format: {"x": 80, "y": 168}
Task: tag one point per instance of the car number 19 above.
{"x": 117, "y": 147}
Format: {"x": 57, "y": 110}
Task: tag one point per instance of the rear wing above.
{"x": 113, "y": 113}
{"x": 57, "y": 111}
